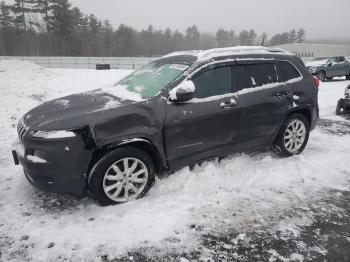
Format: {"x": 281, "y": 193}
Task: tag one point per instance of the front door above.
{"x": 205, "y": 126}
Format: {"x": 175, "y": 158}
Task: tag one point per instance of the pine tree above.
{"x": 292, "y": 36}
{"x": 301, "y": 35}
{"x": 223, "y": 38}
{"x": 192, "y": 36}
{"x": 6, "y": 19}
{"x": 244, "y": 38}
{"x": 251, "y": 37}
{"x": 61, "y": 21}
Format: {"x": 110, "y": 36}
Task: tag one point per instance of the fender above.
{"x": 292, "y": 110}
{"x": 161, "y": 162}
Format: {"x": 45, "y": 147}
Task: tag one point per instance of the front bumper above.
{"x": 54, "y": 165}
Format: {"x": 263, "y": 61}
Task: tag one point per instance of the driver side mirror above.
{"x": 329, "y": 64}
{"x": 184, "y": 92}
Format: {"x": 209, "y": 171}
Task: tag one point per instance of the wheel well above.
{"x": 305, "y": 112}
{"x": 145, "y": 146}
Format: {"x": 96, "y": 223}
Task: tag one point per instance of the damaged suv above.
{"x": 176, "y": 111}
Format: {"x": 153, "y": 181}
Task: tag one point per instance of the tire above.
{"x": 322, "y": 76}
{"x": 111, "y": 184}
{"x": 339, "y": 108}
{"x": 297, "y": 128}
{"x": 348, "y": 77}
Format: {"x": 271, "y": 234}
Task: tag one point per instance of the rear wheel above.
{"x": 122, "y": 175}
{"x": 293, "y": 136}
{"x": 339, "y": 108}
{"x": 322, "y": 76}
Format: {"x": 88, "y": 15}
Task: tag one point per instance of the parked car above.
{"x": 326, "y": 69}
{"x": 176, "y": 111}
{"x": 343, "y": 105}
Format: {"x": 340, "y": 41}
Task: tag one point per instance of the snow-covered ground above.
{"x": 237, "y": 194}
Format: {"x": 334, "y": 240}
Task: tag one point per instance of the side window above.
{"x": 341, "y": 59}
{"x": 255, "y": 75}
{"x": 214, "y": 82}
{"x": 286, "y": 71}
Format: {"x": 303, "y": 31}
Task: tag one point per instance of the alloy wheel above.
{"x": 125, "y": 179}
{"x": 294, "y": 136}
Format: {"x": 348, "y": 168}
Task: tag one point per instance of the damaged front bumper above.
{"x": 54, "y": 165}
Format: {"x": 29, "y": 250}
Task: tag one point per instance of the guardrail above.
{"x": 84, "y": 62}
{"x": 90, "y": 62}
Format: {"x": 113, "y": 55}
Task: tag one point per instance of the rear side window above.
{"x": 341, "y": 59}
{"x": 286, "y": 71}
{"x": 214, "y": 82}
{"x": 255, "y": 75}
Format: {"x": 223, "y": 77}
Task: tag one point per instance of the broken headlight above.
{"x": 54, "y": 134}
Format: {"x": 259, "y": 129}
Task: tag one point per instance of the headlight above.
{"x": 54, "y": 134}
{"x": 312, "y": 69}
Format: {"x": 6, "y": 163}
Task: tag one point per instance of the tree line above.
{"x": 55, "y": 28}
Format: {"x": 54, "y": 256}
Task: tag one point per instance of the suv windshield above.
{"x": 152, "y": 78}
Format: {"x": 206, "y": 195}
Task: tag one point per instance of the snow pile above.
{"x": 236, "y": 193}
{"x": 36, "y": 159}
{"x": 122, "y": 92}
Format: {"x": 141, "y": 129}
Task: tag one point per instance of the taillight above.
{"x": 317, "y": 81}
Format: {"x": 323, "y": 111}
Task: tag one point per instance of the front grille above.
{"x": 21, "y": 130}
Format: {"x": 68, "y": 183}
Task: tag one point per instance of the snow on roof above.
{"x": 237, "y": 50}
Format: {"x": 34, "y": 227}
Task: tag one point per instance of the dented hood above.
{"x": 73, "y": 111}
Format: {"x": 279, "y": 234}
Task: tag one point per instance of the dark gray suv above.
{"x": 178, "y": 110}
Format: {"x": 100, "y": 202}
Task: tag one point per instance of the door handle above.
{"x": 228, "y": 104}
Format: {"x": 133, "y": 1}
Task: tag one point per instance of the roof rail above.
{"x": 211, "y": 53}
{"x": 228, "y": 51}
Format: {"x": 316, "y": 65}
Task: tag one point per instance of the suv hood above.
{"x": 72, "y": 111}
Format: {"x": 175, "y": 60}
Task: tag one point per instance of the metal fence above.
{"x": 84, "y": 62}
{"x": 90, "y": 62}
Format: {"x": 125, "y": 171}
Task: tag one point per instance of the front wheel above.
{"x": 293, "y": 136}
{"x": 121, "y": 175}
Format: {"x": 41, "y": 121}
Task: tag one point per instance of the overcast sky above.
{"x": 322, "y": 18}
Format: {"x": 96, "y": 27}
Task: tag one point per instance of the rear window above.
{"x": 255, "y": 75}
{"x": 286, "y": 71}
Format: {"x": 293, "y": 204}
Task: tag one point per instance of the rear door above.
{"x": 264, "y": 100}
{"x": 205, "y": 126}
{"x": 342, "y": 66}
{"x": 332, "y": 69}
